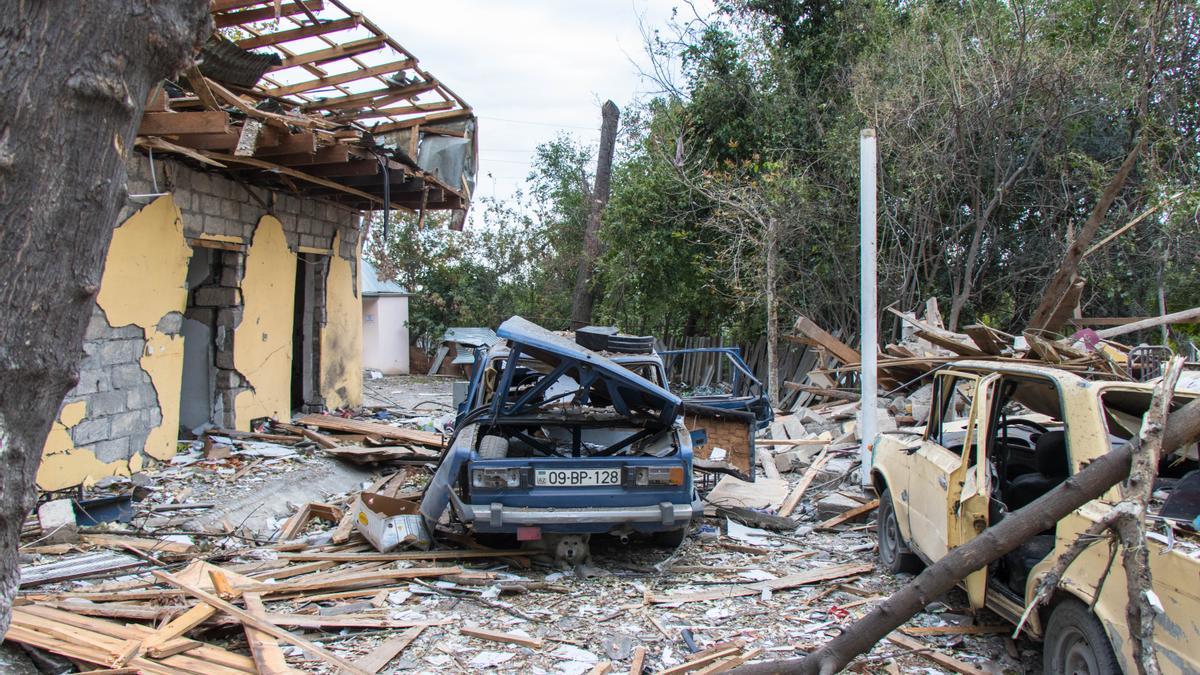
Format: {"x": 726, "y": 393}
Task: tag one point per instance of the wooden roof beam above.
{"x": 288, "y": 171}
{"x": 267, "y": 13}
{"x": 330, "y": 154}
{"x": 343, "y": 78}
{"x": 332, "y": 54}
{"x": 425, "y": 119}
{"x": 269, "y": 39}
{"x": 173, "y": 123}
{"x": 375, "y": 97}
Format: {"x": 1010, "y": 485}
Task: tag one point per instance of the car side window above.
{"x": 951, "y": 403}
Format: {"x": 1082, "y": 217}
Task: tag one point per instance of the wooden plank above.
{"x": 955, "y": 630}
{"x": 639, "y": 660}
{"x": 362, "y": 167}
{"x": 601, "y": 668}
{"x": 766, "y": 460}
{"x": 342, "y": 78}
{"x": 288, "y": 171}
{"x": 175, "y": 629}
{"x": 260, "y": 624}
{"x": 946, "y": 342}
{"x": 330, "y": 154}
{"x": 849, "y": 515}
{"x": 204, "y": 654}
{"x": 705, "y": 656}
{"x": 810, "y": 576}
{"x": 348, "y": 581}
{"x": 225, "y": 20}
{"x": 268, "y": 657}
{"x": 175, "y": 123}
{"x": 793, "y": 499}
{"x": 334, "y": 53}
{"x": 278, "y": 37}
{"x": 374, "y": 97}
{"x": 149, "y": 545}
{"x": 404, "y": 555}
{"x": 989, "y": 340}
{"x": 378, "y": 659}
{"x": 316, "y": 621}
{"x": 731, "y": 662}
{"x": 304, "y": 142}
{"x": 837, "y": 348}
{"x": 926, "y": 650}
{"x": 372, "y": 429}
{"x": 790, "y": 441}
{"x": 497, "y": 636}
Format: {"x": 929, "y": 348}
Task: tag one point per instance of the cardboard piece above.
{"x": 389, "y": 523}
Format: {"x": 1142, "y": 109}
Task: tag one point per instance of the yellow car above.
{"x": 1000, "y": 436}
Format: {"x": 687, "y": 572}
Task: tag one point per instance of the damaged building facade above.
{"x": 230, "y": 292}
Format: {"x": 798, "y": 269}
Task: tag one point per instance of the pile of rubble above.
{"x": 215, "y": 572}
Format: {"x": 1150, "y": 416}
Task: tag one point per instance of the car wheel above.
{"x": 493, "y": 447}
{"x": 670, "y": 538}
{"x": 894, "y": 554}
{"x": 1076, "y": 644}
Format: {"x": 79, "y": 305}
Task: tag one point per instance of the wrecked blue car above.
{"x": 720, "y": 379}
{"x": 555, "y": 438}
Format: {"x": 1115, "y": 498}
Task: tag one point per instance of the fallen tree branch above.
{"x": 1183, "y": 427}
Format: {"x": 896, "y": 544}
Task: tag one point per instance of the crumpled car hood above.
{"x": 625, "y": 388}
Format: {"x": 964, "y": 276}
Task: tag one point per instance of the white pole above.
{"x": 868, "y": 420}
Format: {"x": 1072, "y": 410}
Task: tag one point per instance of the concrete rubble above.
{"x": 270, "y": 514}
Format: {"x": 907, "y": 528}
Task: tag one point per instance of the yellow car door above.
{"x": 948, "y": 484}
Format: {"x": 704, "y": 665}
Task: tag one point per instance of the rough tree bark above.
{"x": 76, "y": 76}
{"x": 584, "y": 295}
{"x": 1183, "y": 427}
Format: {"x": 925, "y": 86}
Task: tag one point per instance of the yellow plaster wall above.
{"x": 262, "y": 342}
{"x": 144, "y": 280}
{"x": 341, "y": 336}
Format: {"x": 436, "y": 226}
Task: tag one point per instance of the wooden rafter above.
{"x": 268, "y": 39}
{"x": 335, "y": 53}
{"x": 352, "y": 76}
{"x": 227, "y": 20}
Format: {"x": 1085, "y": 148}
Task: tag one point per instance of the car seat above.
{"x": 1050, "y": 453}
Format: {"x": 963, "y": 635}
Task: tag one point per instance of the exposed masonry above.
{"x": 122, "y": 402}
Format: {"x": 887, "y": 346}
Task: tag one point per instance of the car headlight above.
{"x": 496, "y": 478}
{"x": 658, "y": 475}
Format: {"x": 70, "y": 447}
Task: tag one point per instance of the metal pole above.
{"x": 868, "y": 421}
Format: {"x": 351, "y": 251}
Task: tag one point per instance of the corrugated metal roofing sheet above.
{"x": 372, "y": 286}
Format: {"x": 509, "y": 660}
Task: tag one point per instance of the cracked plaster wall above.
{"x": 126, "y": 405}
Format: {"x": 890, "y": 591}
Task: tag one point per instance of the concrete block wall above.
{"x": 122, "y": 402}
{"x": 214, "y": 205}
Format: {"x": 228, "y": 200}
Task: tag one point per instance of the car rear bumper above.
{"x": 498, "y": 517}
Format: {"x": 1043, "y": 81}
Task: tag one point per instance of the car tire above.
{"x": 1076, "y": 643}
{"x": 493, "y": 447}
{"x": 894, "y": 554}
{"x": 670, "y": 538}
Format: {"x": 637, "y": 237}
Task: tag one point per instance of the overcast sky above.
{"x": 529, "y": 68}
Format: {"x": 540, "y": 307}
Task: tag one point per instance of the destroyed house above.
{"x": 230, "y": 292}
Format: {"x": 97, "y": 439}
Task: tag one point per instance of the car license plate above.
{"x": 576, "y": 477}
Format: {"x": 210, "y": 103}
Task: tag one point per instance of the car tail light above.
{"x": 496, "y": 478}
{"x": 654, "y": 475}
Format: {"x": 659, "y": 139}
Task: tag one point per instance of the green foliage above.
{"x": 999, "y": 124}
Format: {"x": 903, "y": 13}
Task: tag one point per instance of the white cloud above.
{"x": 547, "y": 64}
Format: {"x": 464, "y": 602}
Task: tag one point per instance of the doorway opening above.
{"x": 306, "y": 332}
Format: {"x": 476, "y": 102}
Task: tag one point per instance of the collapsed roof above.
{"x": 310, "y": 97}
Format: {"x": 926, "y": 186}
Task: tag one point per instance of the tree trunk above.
{"x": 583, "y": 297}
{"x": 773, "y": 375}
{"x": 76, "y": 77}
{"x": 1183, "y": 426}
